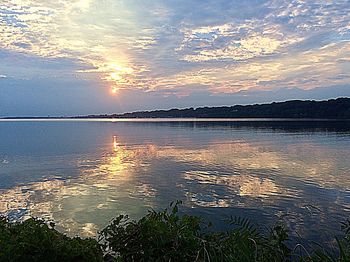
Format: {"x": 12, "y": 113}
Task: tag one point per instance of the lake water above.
{"x": 83, "y": 173}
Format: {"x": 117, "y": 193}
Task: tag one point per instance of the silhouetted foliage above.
{"x": 164, "y": 236}
{"x": 35, "y": 240}
{"x": 330, "y": 109}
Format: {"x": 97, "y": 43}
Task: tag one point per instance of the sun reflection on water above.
{"x": 129, "y": 178}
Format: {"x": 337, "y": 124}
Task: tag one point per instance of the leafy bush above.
{"x": 159, "y": 236}
{"x": 34, "y": 240}
{"x": 164, "y": 236}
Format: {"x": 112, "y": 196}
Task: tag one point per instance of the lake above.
{"x": 82, "y": 173}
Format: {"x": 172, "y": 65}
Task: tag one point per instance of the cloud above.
{"x": 85, "y": 30}
{"x": 157, "y": 46}
{"x": 234, "y": 42}
{"x": 321, "y": 67}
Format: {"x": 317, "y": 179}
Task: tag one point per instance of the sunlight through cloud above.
{"x": 124, "y": 45}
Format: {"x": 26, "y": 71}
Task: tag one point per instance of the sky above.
{"x": 71, "y": 57}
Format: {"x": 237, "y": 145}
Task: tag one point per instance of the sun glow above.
{"x": 118, "y": 76}
{"x": 114, "y": 90}
{"x": 115, "y": 76}
{"x": 132, "y": 50}
{"x": 122, "y": 69}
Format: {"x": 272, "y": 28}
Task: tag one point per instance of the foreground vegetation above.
{"x": 162, "y": 236}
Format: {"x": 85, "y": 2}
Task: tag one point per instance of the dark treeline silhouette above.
{"x": 330, "y": 109}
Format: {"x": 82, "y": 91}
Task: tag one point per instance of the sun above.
{"x": 115, "y": 76}
{"x": 114, "y": 90}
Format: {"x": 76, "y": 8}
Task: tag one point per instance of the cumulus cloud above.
{"x": 234, "y": 41}
{"x": 86, "y": 30}
{"x": 224, "y": 47}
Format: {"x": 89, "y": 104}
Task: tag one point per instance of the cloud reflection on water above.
{"x": 129, "y": 178}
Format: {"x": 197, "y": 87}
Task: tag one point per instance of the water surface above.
{"x": 83, "y": 173}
